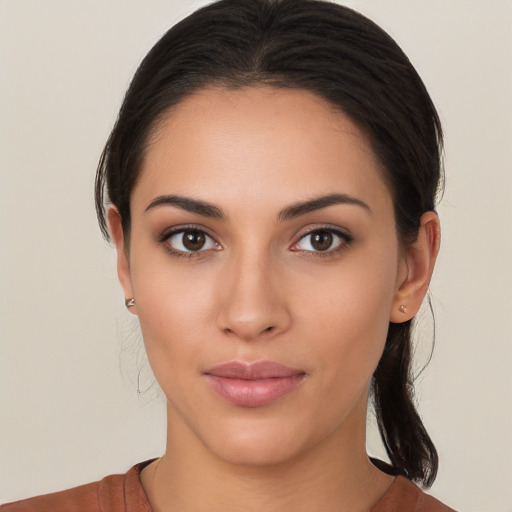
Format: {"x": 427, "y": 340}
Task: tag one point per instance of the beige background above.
{"x": 70, "y": 354}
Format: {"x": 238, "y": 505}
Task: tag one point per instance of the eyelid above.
{"x": 164, "y": 237}
{"x": 335, "y": 230}
{"x": 166, "y": 233}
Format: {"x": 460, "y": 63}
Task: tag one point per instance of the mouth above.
{"x": 253, "y": 384}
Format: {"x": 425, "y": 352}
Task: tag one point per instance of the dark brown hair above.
{"x": 346, "y": 59}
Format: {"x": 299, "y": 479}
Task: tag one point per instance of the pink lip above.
{"x": 253, "y": 384}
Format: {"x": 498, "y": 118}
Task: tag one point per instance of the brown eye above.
{"x": 193, "y": 240}
{"x": 322, "y": 240}
{"x": 190, "y": 240}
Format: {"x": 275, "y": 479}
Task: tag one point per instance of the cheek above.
{"x": 347, "y": 313}
{"x": 174, "y": 315}
{"x": 357, "y": 293}
{"x": 169, "y": 311}
{"x": 170, "y": 330}
{"x": 349, "y": 334}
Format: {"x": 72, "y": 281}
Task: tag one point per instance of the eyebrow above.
{"x": 312, "y": 205}
{"x": 190, "y": 205}
{"x": 206, "y": 209}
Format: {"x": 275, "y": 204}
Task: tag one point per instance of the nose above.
{"x": 253, "y": 301}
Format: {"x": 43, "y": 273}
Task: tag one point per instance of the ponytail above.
{"x": 407, "y": 443}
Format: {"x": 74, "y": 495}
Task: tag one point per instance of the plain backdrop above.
{"x": 70, "y": 359}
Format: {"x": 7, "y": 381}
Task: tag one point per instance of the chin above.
{"x": 258, "y": 443}
{"x": 255, "y": 454}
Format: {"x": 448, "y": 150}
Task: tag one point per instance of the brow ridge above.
{"x": 188, "y": 204}
{"x": 206, "y": 209}
{"x": 312, "y": 205}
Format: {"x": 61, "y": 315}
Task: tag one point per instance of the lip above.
{"x": 253, "y": 384}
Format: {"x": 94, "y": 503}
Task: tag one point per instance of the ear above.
{"x": 416, "y": 269}
{"x": 123, "y": 260}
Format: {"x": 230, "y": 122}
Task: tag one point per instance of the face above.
{"x": 264, "y": 262}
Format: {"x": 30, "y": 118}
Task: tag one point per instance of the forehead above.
{"x": 258, "y": 142}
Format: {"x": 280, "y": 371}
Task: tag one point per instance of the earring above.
{"x": 129, "y": 303}
{"x": 403, "y": 309}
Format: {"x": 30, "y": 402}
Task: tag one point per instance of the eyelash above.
{"x": 164, "y": 239}
{"x": 346, "y": 240}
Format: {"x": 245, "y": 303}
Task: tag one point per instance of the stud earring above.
{"x": 129, "y": 303}
{"x": 403, "y": 309}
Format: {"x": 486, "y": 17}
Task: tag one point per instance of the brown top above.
{"x": 124, "y": 493}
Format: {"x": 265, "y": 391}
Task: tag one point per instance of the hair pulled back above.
{"x": 344, "y": 58}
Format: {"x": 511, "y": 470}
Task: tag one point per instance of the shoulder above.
{"x": 85, "y": 497}
{"x": 405, "y": 496}
{"x": 122, "y": 493}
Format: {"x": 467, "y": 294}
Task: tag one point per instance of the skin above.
{"x": 260, "y": 291}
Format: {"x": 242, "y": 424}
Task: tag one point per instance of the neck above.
{"x": 332, "y": 476}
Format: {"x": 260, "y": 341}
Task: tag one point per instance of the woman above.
{"x": 271, "y": 184}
